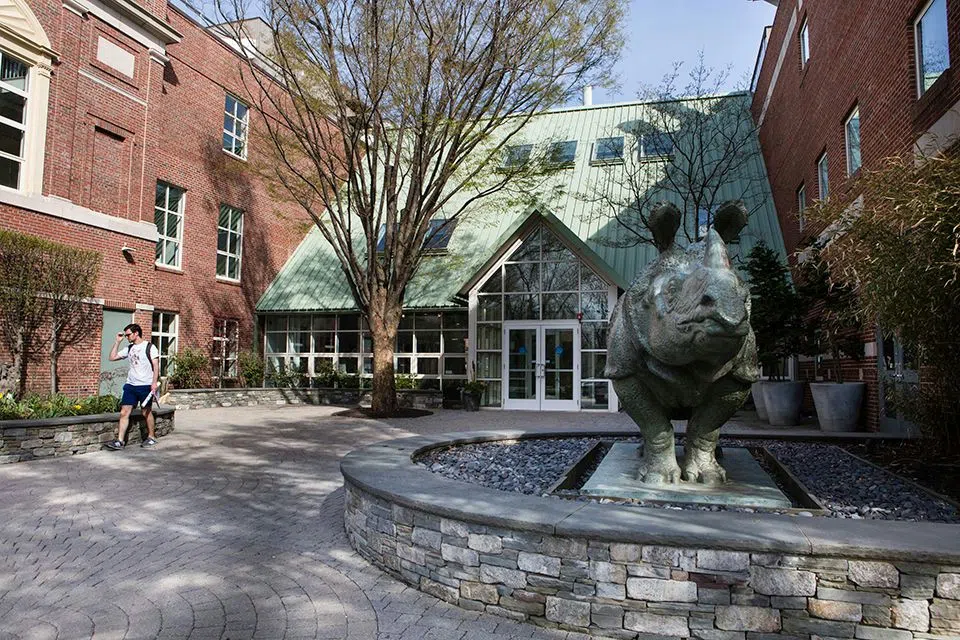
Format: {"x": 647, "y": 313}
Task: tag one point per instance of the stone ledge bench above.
{"x": 22, "y": 440}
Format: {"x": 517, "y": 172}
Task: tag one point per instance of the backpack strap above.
{"x": 149, "y": 357}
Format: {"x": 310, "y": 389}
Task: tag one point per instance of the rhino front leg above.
{"x": 659, "y": 464}
{"x": 700, "y": 461}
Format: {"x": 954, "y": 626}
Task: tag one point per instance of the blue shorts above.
{"x": 136, "y": 394}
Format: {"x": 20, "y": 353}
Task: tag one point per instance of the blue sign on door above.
{"x": 559, "y": 350}
{"x": 522, "y": 350}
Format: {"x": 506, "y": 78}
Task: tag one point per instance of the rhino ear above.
{"x": 663, "y": 223}
{"x": 730, "y": 218}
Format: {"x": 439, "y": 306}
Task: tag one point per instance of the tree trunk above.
{"x": 383, "y": 332}
{"x": 54, "y": 384}
{"x": 20, "y": 364}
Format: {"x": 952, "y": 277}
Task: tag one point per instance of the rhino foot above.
{"x": 659, "y": 469}
{"x": 702, "y": 467}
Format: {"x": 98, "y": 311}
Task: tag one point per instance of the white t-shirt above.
{"x": 141, "y": 371}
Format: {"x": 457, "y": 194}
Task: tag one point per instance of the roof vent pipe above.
{"x": 588, "y": 96}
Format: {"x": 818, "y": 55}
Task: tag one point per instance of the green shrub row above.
{"x": 38, "y": 407}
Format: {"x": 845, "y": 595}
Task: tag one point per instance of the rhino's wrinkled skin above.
{"x": 680, "y": 342}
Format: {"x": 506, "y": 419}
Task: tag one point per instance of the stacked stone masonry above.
{"x": 640, "y": 591}
{"x": 23, "y": 440}
{"x": 252, "y": 397}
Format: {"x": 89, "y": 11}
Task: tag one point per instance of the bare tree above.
{"x": 691, "y": 146}
{"x": 395, "y": 114}
{"x": 71, "y": 275}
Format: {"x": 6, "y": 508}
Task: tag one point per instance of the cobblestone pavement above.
{"x": 232, "y": 527}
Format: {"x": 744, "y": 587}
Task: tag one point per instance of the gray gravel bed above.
{"x": 845, "y": 485}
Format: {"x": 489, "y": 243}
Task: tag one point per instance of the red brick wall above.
{"x": 107, "y": 146}
{"x": 861, "y": 54}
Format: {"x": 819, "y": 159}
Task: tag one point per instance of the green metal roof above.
{"x": 312, "y": 279}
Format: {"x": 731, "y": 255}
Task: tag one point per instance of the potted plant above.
{"x": 834, "y": 327}
{"x": 472, "y": 391}
{"x": 776, "y": 316}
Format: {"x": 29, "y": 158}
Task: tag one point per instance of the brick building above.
{"x": 843, "y": 85}
{"x": 124, "y": 130}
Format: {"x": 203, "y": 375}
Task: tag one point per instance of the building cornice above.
{"x": 61, "y": 208}
{"x": 146, "y": 20}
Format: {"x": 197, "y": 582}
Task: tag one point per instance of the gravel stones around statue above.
{"x": 847, "y": 486}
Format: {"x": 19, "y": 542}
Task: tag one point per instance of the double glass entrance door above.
{"x": 541, "y": 366}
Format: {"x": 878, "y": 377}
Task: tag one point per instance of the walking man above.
{"x": 141, "y": 386}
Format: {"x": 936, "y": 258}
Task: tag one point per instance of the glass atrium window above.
{"x": 933, "y": 50}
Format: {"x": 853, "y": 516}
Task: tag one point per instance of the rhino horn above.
{"x": 715, "y": 255}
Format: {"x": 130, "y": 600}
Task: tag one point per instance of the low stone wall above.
{"x": 629, "y": 572}
{"x": 22, "y": 440}
{"x": 252, "y": 397}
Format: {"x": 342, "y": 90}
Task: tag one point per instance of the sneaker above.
{"x": 114, "y": 445}
{"x": 149, "y": 442}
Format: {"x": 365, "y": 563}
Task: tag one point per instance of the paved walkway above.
{"x": 231, "y": 528}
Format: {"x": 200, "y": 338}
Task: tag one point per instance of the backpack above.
{"x": 149, "y": 357}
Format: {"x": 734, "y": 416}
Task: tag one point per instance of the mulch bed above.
{"x": 916, "y": 461}
{"x": 368, "y": 414}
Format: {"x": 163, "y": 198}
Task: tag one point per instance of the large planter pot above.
{"x": 783, "y": 400}
{"x": 838, "y": 404}
{"x": 756, "y": 390}
{"x": 471, "y": 401}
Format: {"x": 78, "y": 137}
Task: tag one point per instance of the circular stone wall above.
{"x": 625, "y": 571}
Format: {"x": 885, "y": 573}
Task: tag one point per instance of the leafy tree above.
{"x": 44, "y": 307}
{"x": 832, "y": 324}
{"x": 776, "y": 310}
{"x": 71, "y": 277}
{"x": 395, "y": 114}
{"x": 898, "y": 249}
{"x": 691, "y": 146}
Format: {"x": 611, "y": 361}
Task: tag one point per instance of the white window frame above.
{"x": 918, "y": 44}
{"x": 516, "y": 155}
{"x": 804, "y": 42}
{"x": 23, "y": 127}
{"x": 239, "y": 138}
{"x": 801, "y": 204}
{"x": 654, "y": 156}
{"x": 226, "y": 253}
{"x": 846, "y": 133}
{"x": 156, "y": 335}
{"x": 823, "y": 176}
{"x": 226, "y": 348}
{"x": 162, "y": 237}
{"x": 594, "y": 159}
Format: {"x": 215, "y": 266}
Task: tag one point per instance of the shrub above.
{"x": 251, "y": 368}
{"x": 405, "y": 381}
{"x": 776, "y": 310}
{"x": 898, "y": 249}
{"x": 38, "y": 407}
{"x": 285, "y": 379}
{"x": 190, "y": 368}
{"x": 324, "y": 373}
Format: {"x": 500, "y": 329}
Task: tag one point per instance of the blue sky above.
{"x": 660, "y": 32}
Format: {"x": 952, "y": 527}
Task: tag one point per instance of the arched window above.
{"x": 26, "y": 61}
